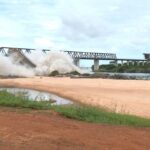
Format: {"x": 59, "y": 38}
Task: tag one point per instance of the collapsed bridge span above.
{"x": 17, "y": 56}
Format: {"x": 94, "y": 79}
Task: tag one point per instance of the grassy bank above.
{"x": 82, "y": 113}
{"x": 98, "y": 115}
{"x": 10, "y": 100}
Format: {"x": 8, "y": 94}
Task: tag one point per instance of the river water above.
{"x": 39, "y": 96}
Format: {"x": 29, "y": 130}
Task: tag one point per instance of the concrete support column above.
{"x": 133, "y": 63}
{"x": 96, "y": 64}
{"x": 128, "y": 63}
{"x": 122, "y": 62}
{"x": 116, "y": 62}
{"x": 139, "y": 63}
{"x": 77, "y": 62}
{"x": 143, "y": 63}
{"x": 136, "y": 63}
{"x": 147, "y": 62}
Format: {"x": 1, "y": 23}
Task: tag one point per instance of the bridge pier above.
{"x": 96, "y": 64}
{"x": 128, "y": 62}
{"x": 135, "y": 63}
{"x": 116, "y": 63}
{"x": 139, "y": 63}
{"x": 77, "y": 62}
{"x": 132, "y": 63}
{"x": 121, "y": 62}
{"x": 147, "y": 62}
{"x": 143, "y": 63}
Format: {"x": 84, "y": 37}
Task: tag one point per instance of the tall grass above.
{"x": 97, "y": 115}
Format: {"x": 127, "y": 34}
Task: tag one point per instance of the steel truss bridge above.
{"x": 76, "y": 55}
{"x": 73, "y": 54}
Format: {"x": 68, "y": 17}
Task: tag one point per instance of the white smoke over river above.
{"x": 54, "y": 61}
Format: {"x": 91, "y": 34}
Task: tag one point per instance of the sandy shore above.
{"x": 123, "y": 96}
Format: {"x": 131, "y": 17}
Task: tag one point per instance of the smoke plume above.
{"x": 53, "y": 61}
{"x": 8, "y": 68}
{"x": 56, "y": 61}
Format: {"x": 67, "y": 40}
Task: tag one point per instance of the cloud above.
{"x": 121, "y": 26}
{"x": 43, "y": 43}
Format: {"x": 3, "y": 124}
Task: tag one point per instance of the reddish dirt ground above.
{"x": 44, "y": 131}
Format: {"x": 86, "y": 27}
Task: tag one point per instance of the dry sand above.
{"x": 125, "y": 96}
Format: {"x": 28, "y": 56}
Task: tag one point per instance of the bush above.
{"x": 74, "y": 73}
{"x": 54, "y": 73}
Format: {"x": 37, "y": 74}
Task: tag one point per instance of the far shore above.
{"x": 124, "y": 96}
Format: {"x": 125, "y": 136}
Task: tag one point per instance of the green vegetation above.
{"x": 74, "y": 73}
{"x": 98, "y": 115}
{"x": 8, "y": 99}
{"x": 82, "y": 113}
{"x": 125, "y": 68}
{"x": 54, "y": 73}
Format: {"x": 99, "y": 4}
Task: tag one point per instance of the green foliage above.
{"x": 107, "y": 68}
{"x": 125, "y": 68}
{"x": 83, "y": 113}
{"x": 54, "y": 73}
{"x": 74, "y": 73}
{"x": 8, "y": 99}
{"x": 98, "y": 115}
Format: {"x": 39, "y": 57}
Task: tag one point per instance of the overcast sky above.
{"x": 119, "y": 26}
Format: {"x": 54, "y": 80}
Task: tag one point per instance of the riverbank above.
{"x": 74, "y": 111}
{"x": 123, "y": 96}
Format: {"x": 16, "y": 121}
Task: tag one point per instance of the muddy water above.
{"x": 39, "y": 96}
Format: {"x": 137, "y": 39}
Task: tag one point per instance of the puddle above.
{"x": 39, "y": 96}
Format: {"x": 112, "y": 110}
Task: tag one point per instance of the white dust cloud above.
{"x": 8, "y": 68}
{"x": 53, "y": 61}
{"x": 56, "y": 61}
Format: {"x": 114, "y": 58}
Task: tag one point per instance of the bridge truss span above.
{"x": 76, "y": 56}
{"x": 91, "y": 55}
{"x": 18, "y": 55}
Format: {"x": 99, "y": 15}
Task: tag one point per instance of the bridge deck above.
{"x": 81, "y": 55}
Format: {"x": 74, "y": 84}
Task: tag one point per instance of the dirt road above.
{"x": 125, "y": 96}
{"x": 38, "y": 131}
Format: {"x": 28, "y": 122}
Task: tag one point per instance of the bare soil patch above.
{"x": 43, "y": 131}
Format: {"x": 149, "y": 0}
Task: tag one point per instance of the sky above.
{"x": 115, "y": 26}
